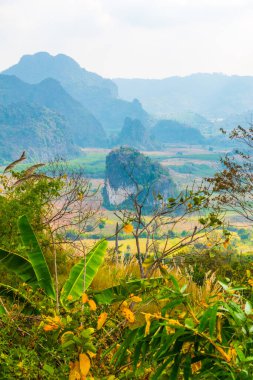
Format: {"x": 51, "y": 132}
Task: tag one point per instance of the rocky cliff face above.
{"x": 128, "y": 173}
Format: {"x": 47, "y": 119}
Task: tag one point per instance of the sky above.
{"x": 132, "y": 38}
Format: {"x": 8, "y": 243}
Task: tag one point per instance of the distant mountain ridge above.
{"x": 96, "y": 94}
{"x": 93, "y": 115}
{"x": 210, "y": 95}
{"x": 173, "y": 132}
{"x": 37, "y": 67}
{"x": 82, "y": 125}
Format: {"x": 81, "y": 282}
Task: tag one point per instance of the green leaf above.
{"x": 212, "y": 321}
{"x": 204, "y": 320}
{"x": 74, "y": 285}
{"x": 172, "y": 305}
{"x": 20, "y": 266}
{"x": 48, "y": 369}
{"x": 121, "y": 292}
{"x": 187, "y": 368}
{"x": 2, "y": 310}
{"x": 225, "y": 286}
{"x": 160, "y": 369}
{"x": 175, "y": 283}
{"x": 248, "y": 308}
{"x": 16, "y": 296}
{"x": 36, "y": 257}
{"x": 189, "y": 323}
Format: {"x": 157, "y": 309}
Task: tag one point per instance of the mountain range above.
{"x": 82, "y": 125}
{"x": 60, "y": 106}
{"x": 98, "y": 95}
{"x": 214, "y": 96}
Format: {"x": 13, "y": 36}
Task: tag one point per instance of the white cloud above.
{"x": 131, "y": 38}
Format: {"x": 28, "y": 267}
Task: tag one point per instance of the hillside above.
{"x": 243, "y": 119}
{"x": 129, "y": 172}
{"x": 135, "y": 135}
{"x": 172, "y": 132}
{"x": 211, "y": 95}
{"x": 42, "y": 133}
{"x": 82, "y": 125}
{"x": 98, "y": 95}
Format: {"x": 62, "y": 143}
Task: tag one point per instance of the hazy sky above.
{"x": 133, "y": 38}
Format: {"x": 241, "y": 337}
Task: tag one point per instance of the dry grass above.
{"x": 111, "y": 274}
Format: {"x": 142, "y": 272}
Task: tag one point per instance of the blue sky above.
{"x": 133, "y": 38}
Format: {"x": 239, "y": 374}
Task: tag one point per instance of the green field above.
{"x": 92, "y": 162}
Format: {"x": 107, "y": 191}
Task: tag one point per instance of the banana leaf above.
{"x": 36, "y": 257}
{"x": 20, "y": 266}
{"x": 74, "y": 286}
{"x": 121, "y": 292}
{"x": 15, "y": 296}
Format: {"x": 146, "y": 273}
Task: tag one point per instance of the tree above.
{"x": 164, "y": 217}
{"x": 55, "y": 200}
{"x": 233, "y": 184}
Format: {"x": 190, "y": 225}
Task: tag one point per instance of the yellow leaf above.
{"x": 80, "y": 196}
{"x": 169, "y": 330}
{"x": 250, "y": 282}
{"x": 136, "y": 299}
{"x": 232, "y": 353}
{"x": 85, "y": 298}
{"x": 84, "y": 364}
{"x": 128, "y": 228}
{"x": 74, "y": 373}
{"x": 248, "y": 273}
{"x": 218, "y": 327}
{"x": 50, "y": 327}
{"x": 56, "y": 319}
{"x": 182, "y": 315}
{"x": 148, "y": 323}
{"x": 174, "y": 322}
{"x": 91, "y": 354}
{"x": 92, "y": 304}
{"x": 53, "y": 323}
{"x": 124, "y": 304}
{"x": 128, "y": 314}
{"x": 70, "y": 297}
{"x": 196, "y": 366}
{"x": 226, "y": 243}
{"x": 101, "y": 320}
{"x": 186, "y": 347}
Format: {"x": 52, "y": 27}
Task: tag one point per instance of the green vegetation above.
{"x": 35, "y": 129}
{"x": 130, "y": 172}
{"x": 31, "y": 103}
{"x": 174, "y": 302}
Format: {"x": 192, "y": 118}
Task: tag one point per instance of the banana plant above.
{"x": 34, "y": 270}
